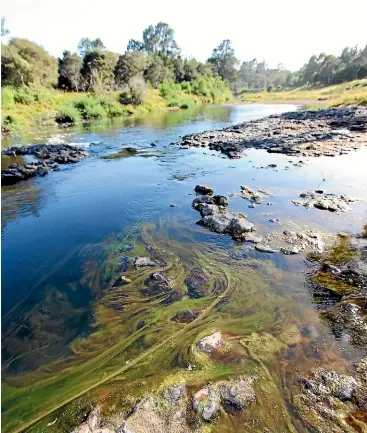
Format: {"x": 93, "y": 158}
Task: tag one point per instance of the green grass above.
{"x": 27, "y": 107}
{"x": 354, "y": 92}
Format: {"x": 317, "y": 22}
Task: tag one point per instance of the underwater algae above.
{"x": 135, "y": 348}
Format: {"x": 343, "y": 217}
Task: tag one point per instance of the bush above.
{"x": 90, "y": 108}
{"x": 138, "y": 90}
{"x": 113, "y": 108}
{"x": 168, "y": 89}
{"x": 7, "y": 96}
{"x": 67, "y": 114}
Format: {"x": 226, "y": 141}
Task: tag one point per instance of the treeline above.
{"x": 155, "y": 62}
{"x": 157, "y": 59}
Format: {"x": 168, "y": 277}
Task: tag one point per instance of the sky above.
{"x": 277, "y": 31}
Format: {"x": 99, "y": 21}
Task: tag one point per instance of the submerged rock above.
{"x": 253, "y": 195}
{"x": 93, "y": 424}
{"x": 237, "y": 393}
{"x": 159, "y": 286}
{"x": 210, "y": 343}
{"x": 232, "y": 395}
{"x": 319, "y": 200}
{"x": 262, "y": 248}
{"x": 165, "y": 413}
{"x": 329, "y": 399}
{"x": 197, "y": 283}
{"x": 206, "y": 402}
{"x": 185, "y": 316}
{"x": 144, "y": 262}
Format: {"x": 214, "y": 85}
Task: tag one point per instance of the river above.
{"x": 62, "y": 234}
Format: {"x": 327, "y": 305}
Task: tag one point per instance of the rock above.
{"x": 91, "y": 425}
{"x": 204, "y": 189}
{"x": 237, "y": 393}
{"x": 239, "y": 226}
{"x": 94, "y": 418}
{"x": 253, "y": 239}
{"x": 262, "y": 248}
{"x": 220, "y": 200}
{"x": 121, "y": 281}
{"x": 175, "y": 393}
{"x": 210, "y": 343}
{"x": 165, "y": 413}
{"x": 158, "y": 285}
{"x": 203, "y": 199}
{"x": 144, "y": 261}
{"x": 206, "y": 402}
{"x": 48, "y": 155}
{"x": 197, "y": 283}
{"x": 323, "y": 201}
{"x": 185, "y": 316}
{"x": 207, "y": 209}
{"x": 306, "y": 133}
{"x": 290, "y": 250}
{"x": 218, "y": 223}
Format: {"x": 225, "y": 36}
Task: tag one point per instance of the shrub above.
{"x": 7, "y": 96}
{"x": 138, "y": 90}
{"x": 168, "y": 89}
{"x": 67, "y": 114}
{"x": 90, "y": 108}
{"x": 113, "y": 108}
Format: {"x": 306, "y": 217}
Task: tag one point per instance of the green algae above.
{"x": 134, "y": 346}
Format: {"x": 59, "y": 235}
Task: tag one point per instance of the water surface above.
{"x": 57, "y": 231}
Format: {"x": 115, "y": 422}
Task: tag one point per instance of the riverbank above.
{"x": 29, "y": 107}
{"x": 327, "y": 132}
{"x": 351, "y": 93}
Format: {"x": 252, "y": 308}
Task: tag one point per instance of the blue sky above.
{"x": 282, "y": 31}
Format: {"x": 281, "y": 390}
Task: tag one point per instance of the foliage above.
{"x": 224, "y": 61}
{"x": 67, "y": 113}
{"x": 70, "y": 77}
{"x": 157, "y": 71}
{"x": 138, "y": 90}
{"x": 87, "y": 45}
{"x": 25, "y": 63}
{"x": 326, "y": 69}
{"x": 98, "y": 70}
{"x": 128, "y": 66}
{"x": 158, "y": 39}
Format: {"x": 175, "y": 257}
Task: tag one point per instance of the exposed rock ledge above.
{"x": 49, "y": 155}
{"x": 328, "y": 132}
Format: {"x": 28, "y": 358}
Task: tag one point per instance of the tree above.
{"x": 190, "y": 69}
{"x": 70, "y": 66}
{"x": 98, "y": 70}
{"x": 224, "y": 61}
{"x": 134, "y": 45}
{"x": 129, "y": 65}
{"x": 86, "y": 45}
{"x": 158, "y": 39}
{"x": 157, "y": 71}
{"x": 24, "y": 63}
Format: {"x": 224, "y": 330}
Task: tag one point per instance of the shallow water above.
{"x": 63, "y": 238}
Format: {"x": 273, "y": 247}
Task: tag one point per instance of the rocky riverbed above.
{"x": 328, "y": 132}
{"x": 48, "y": 159}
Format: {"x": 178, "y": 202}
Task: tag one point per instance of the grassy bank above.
{"x": 31, "y": 106}
{"x": 353, "y": 92}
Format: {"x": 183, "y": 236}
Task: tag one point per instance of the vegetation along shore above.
{"x": 96, "y": 84}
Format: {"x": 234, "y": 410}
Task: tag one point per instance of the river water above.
{"x": 59, "y": 232}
